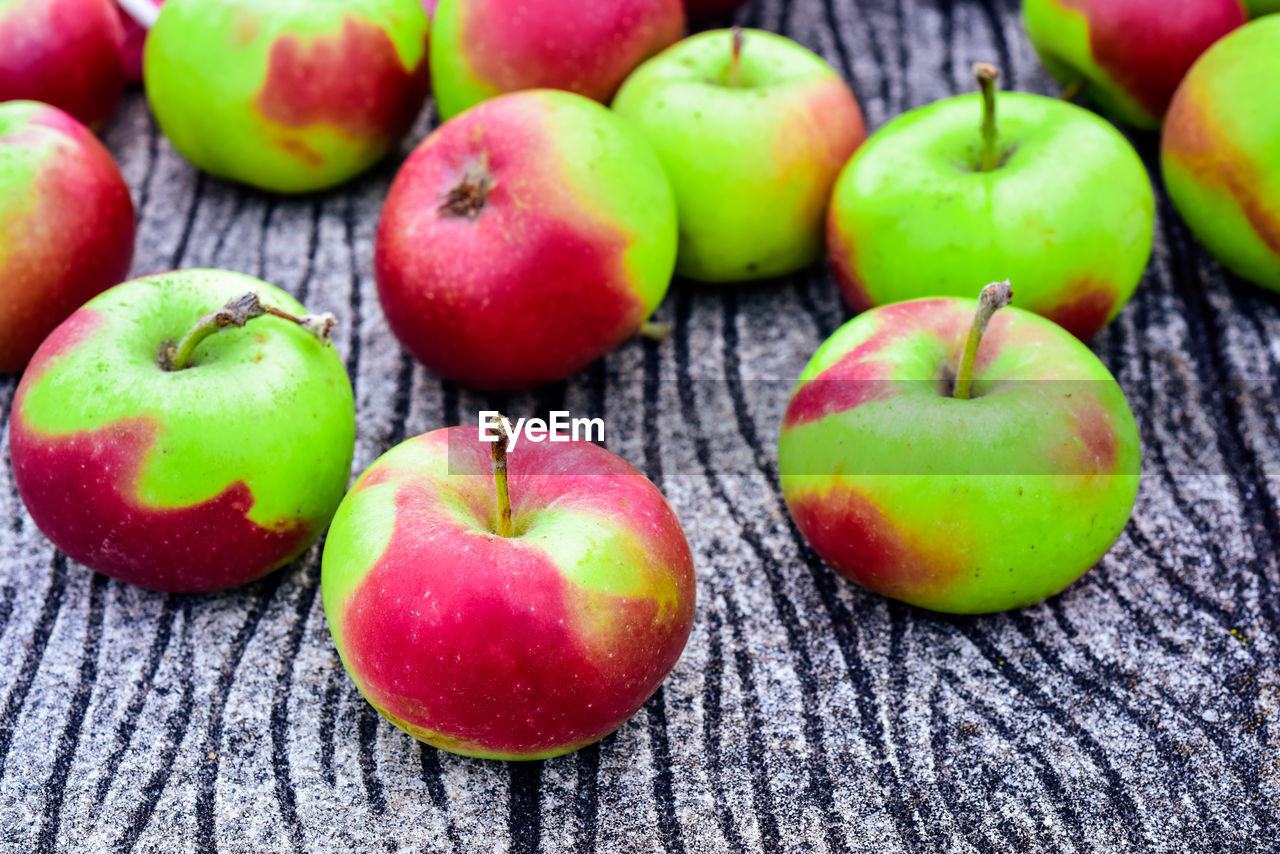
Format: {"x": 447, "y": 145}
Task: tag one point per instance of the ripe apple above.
{"x": 1054, "y": 198}
{"x": 292, "y": 95}
{"x": 1127, "y": 56}
{"x": 953, "y": 471}
{"x": 752, "y": 130}
{"x": 192, "y": 466}
{"x": 1220, "y": 152}
{"x": 135, "y": 37}
{"x": 525, "y": 239}
{"x": 701, "y": 10}
{"x": 514, "y": 615}
{"x": 67, "y": 224}
{"x": 483, "y": 48}
{"x": 1258, "y": 8}
{"x": 62, "y": 52}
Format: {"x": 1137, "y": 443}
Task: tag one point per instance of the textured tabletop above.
{"x": 1136, "y": 711}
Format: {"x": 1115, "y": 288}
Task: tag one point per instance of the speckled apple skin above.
{"x": 751, "y": 167}
{"x": 506, "y": 648}
{"x": 1129, "y": 54}
{"x": 573, "y": 249}
{"x": 290, "y": 96}
{"x": 1220, "y": 152}
{"x": 66, "y": 224}
{"x": 62, "y": 52}
{"x": 192, "y": 480}
{"x": 963, "y": 506}
{"x": 484, "y": 48}
{"x": 1068, "y": 216}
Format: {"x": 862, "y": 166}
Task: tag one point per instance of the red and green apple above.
{"x": 66, "y": 224}
{"x": 154, "y": 448}
{"x": 525, "y": 239}
{"x": 506, "y": 606}
{"x": 1046, "y": 194}
{"x": 292, "y": 95}
{"x": 752, "y": 129}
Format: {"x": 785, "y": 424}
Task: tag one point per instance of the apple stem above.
{"x": 656, "y": 330}
{"x": 142, "y": 12}
{"x": 987, "y": 75}
{"x": 505, "y": 528}
{"x": 735, "y": 58}
{"x": 237, "y": 312}
{"x": 995, "y": 296}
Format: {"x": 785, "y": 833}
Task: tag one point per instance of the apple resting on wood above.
{"x": 291, "y": 95}
{"x": 1051, "y": 196}
{"x": 1127, "y": 56}
{"x": 63, "y": 52}
{"x": 752, "y": 130}
{"x": 525, "y": 239}
{"x": 1220, "y": 152}
{"x": 506, "y": 607}
{"x": 956, "y": 471}
{"x": 155, "y": 441}
{"x": 483, "y": 48}
{"x": 66, "y": 224}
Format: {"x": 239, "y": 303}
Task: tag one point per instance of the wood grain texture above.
{"x": 1135, "y": 712}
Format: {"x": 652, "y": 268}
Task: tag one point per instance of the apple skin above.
{"x": 484, "y": 48}
{"x": 1068, "y": 216}
{"x": 962, "y": 506}
{"x": 506, "y": 648}
{"x": 62, "y": 52}
{"x": 1258, "y": 8}
{"x": 1130, "y": 54}
{"x": 701, "y": 10}
{"x": 1220, "y": 153}
{"x": 62, "y": 199}
{"x": 751, "y": 166}
{"x": 573, "y": 249}
{"x": 135, "y": 38}
{"x": 192, "y": 480}
{"x": 290, "y": 96}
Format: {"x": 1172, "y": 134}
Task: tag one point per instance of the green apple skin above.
{"x": 1220, "y": 152}
{"x": 484, "y": 48}
{"x": 963, "y": 506}
{"x": 1127, "y": 56}
{"x": 521, "y": 647}
{"x": 1258, "y": 8}
{"x": 289, "y": 96}
{"x": 189, "y": 480}
{"x": 751, "y": 165}
{"x": 1068, "y": 215}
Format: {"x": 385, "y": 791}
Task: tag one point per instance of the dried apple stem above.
{"x": 735, "y": 58}
{"x": 236, "y": 312}
{"x": 505, "y": 528}
{"x": 995, "y": 296}
{"x": 987, "y": 75}
{"x": 142, "y": 12}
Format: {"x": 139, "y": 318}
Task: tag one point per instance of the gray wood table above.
{"x": 1136, "y": 711}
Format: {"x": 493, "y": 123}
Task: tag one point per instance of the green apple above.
{"x": 1052, "y": 197}
{"x": 954, "y": 470}
{"x": 752, "y": 130}
{"x": 1258, "y": 8}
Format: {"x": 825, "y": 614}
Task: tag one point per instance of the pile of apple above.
{"x": 192, "y": 431}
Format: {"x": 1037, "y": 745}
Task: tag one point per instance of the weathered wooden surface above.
{"x": 1137, "y": 711}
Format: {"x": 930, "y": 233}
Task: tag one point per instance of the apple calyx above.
{"x": 737, "y": 39}
{"x": 237, "y": 312}
{"x": 471, "y": 194}
{"x": 994, "y": 297}
{"x": 505, "y": 527}
{"x": 987, "y": 75}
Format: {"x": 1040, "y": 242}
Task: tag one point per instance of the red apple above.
{"x": 66, "y": 224}
{"x": 63, "y": 52}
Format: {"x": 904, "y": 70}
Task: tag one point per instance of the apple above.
{"x": 1220, "y": 152}
{"x": 290, "y": 96}
{"x": 701, "y": 10}
{"x": 135, "y": 36}
{"x": 523, "y": 240}
{"x": 513, "y": 606}
{"x": 1258, "y": 8}
{"x": 953, "y": 471}
{"x": 483, "y": 48}
{"x": 752, "y": 130}
{"x": 1052, "y": 197}
{"x": 67, "y": 220}
{"x": 1127, "y": 56}
{"x": 62, "y": 52}
{"x": 189, "y": 466}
